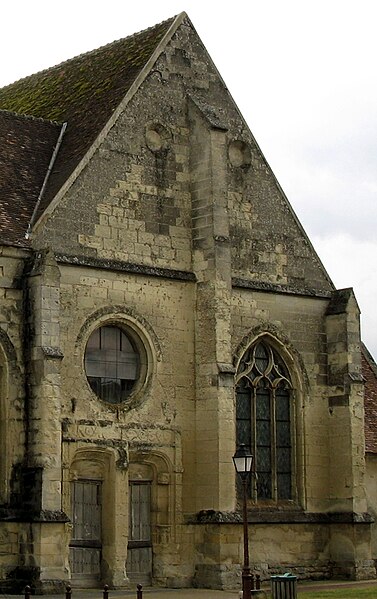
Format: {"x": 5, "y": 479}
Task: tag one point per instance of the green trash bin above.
{"x": 284, "y": 586}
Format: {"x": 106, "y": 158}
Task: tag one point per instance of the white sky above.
{"x": 303, "y": 73}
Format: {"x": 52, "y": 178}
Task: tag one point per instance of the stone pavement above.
{"x": 163, "y": 593}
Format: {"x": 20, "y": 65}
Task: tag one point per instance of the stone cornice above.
{"x": 118, "y": 265}
{"x": 8, "y": 514}
{"x": 272, "y": 516}
{"x": 266, "y": 287}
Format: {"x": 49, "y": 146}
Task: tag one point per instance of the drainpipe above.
{"x": 47, "y": 176}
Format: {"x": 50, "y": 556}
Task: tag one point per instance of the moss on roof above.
{"x": 59, "y": 93}
{"x": 84, "y": 92}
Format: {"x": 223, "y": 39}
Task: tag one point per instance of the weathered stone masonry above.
{"x": 173, "y": 233}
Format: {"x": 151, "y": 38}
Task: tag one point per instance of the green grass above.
{"x": 342, "y": 593}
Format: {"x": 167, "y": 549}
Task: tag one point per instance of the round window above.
{"x": 112, "y": 364}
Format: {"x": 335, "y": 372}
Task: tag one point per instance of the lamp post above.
{"x": 243, "y": 462}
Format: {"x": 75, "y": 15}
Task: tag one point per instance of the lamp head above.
{"x": 243, "y": 461}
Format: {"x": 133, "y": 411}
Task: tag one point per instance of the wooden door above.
{"x": 139, "y": 553}
{"x": 85, "y": 546}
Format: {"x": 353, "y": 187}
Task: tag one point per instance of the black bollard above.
{"x": 258, "y": 582}
{"x": 27, "y": 592}
{"x": 68, "y": 591}
{"x": 139, "y": 592}
{"x": 106, "y": 591}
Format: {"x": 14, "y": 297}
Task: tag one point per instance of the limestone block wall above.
{"x": 160, "y": 422}
{"x": 136, "y": 203}
{"x": 43, "y": 358}
{"x": 12, "y": 432}
{"x": 308, "y": 550}
{"x": 302, "y": 549}
{"x": 346, "y": 402}
{"x": 161, "y": 310}
{"x": 176, "y": 229}
{"x": 132, "y": 201}
{"x": 29, "y": 549}
{"x": 298, "y": 323}
{"x": 49, "y": 552}
{"x": 10, "y": 538}
{"x": 179, "y": 183}
{"x": 211, "y": 263}
{"x": 371, "y": 494}
{"x": 268, "y": 243}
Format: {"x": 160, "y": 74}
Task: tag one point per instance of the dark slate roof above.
{"x": 84, "y": 92}
{"x": 369, "y": 370}
{"x": 26, "y": 148}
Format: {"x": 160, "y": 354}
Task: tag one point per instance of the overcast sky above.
{"x": 303, "y": 73}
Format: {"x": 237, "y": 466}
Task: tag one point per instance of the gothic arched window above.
{"x": 264, "y": 420}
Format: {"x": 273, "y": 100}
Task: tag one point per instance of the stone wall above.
{"x": 371, "y": 492}
{"x": 176, "y": 231}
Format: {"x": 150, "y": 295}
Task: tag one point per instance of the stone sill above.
{"x": 276, "y": 516}
{"x": 22, "y": 515}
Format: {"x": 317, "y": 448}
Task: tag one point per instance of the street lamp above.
{"x": 243, "y": 462}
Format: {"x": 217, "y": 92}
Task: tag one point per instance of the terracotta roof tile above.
{"x": 26, "y": 147}
{"x": 369, "y": 370}
{"x": 84, "y": 92}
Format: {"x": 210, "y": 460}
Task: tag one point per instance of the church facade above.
{"x": 161, "y": 304}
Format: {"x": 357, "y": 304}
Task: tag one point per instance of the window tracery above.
{"x": 264, "y": 420}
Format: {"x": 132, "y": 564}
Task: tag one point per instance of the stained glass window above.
{"x": 264, "y": 420}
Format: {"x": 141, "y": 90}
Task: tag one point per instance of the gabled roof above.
{"x": 369, "y": 371}
{"x": 84, "y": 92}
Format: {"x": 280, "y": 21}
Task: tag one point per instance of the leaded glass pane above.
{"x": 284, "y": 459}
{"x": 125, "y": 344}
{"x": 243, "y": 417}
{"x": 264, "y": 433}
{"x": 283, "y": 434}
{"x": 284, "y": 486}
{"x": 243, "y": 432}
{"x": 94, "y": 340}
{"x": 264, "y": 459}
{"x": 94, "y": 367}
{"x": 263, "y": 389}
{"x": 110, "y": 338}
{"x": 111, "y": 364}
{"x": 263, "y": 404}
{"x": 264, "y": 490}
{"x": 282, "y": 404}
{"x": 127, "y": 369}
{"x": 243, "y": 405}
{"x": 261, "y": 358}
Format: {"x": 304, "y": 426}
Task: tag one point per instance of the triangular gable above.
{"x": 85, "y": 92}
{"x": 71, "y": 92}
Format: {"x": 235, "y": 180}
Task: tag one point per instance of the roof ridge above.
{"x": 30, "y": 117}
{"x": 83, "y": 54}
{"x": 369, "y": 358}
